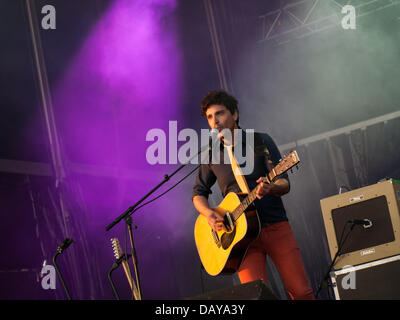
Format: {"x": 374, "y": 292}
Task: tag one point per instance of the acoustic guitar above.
{"x": 222, "y": 252}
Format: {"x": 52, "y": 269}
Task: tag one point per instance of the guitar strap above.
{"x": 260, "y": 149}
{"x": 237, "y": 172}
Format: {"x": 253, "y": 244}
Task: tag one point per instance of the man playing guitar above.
{"x": 276, "y": 238}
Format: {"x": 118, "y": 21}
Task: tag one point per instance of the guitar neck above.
{"x": 245, "y": 203}
{"x": 287, "y": 163}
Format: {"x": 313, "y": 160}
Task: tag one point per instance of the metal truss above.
{"x": 297, "y": 19}
{"x": 344, "y": 130}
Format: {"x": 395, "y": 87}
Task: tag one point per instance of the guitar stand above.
{"x": 114, "y": 267}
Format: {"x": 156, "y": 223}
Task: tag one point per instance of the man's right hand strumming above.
{"x": 215, "y": 220}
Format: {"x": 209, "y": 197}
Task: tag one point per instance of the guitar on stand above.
{"x": 223, "y": 251}
{"x": 118, "y": 254}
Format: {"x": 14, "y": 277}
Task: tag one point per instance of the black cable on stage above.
{"x": 159, "y": 196}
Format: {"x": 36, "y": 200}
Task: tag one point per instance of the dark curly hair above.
{"x": 219, "y": 97}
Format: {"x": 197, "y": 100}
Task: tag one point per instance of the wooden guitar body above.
{"x": 226, "y": 255}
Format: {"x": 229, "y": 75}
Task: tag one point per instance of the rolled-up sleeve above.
{"x": 205, "y": 179}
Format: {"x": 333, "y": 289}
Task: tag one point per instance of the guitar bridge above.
{"x": 216, "y": 238}
{"x": 229, "y": 223}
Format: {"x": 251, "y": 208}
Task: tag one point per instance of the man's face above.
{"x": 219, "y": 117}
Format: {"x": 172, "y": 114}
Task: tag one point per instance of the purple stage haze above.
{"x": 124, "y": 81}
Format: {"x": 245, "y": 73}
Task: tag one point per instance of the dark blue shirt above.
{"x": 270, "y": 208}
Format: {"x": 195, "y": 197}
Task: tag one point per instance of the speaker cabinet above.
{"x": 377, "y": 280}
{"x": 379, "y": 204}
{"x": 255, "y": 290}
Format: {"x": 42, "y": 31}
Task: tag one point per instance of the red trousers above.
{"x": 279, "y": 243}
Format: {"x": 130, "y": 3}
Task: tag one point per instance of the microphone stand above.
{"x": 128, "y": 221}
{"x": 338, "y": 252}
{"x": 127, "y": 214}
{"x": 64, "y": 245}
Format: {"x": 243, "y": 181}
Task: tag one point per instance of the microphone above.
{"x": 212, "y": 143}
{"x": 213, "y": 137}
{"x": 64, "y": 245}
{"x": 366, "y": 223}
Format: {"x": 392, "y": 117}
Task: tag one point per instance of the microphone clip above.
{"x": 366, "y": 223}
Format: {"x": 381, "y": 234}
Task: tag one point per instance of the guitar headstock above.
{"x": 287, "y": 163}
{"x": 116, "y": 248}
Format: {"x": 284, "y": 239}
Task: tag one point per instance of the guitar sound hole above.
{"x": 227, "y": 238}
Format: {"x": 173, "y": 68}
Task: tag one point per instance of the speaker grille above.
{"x": 379, "y": 233}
